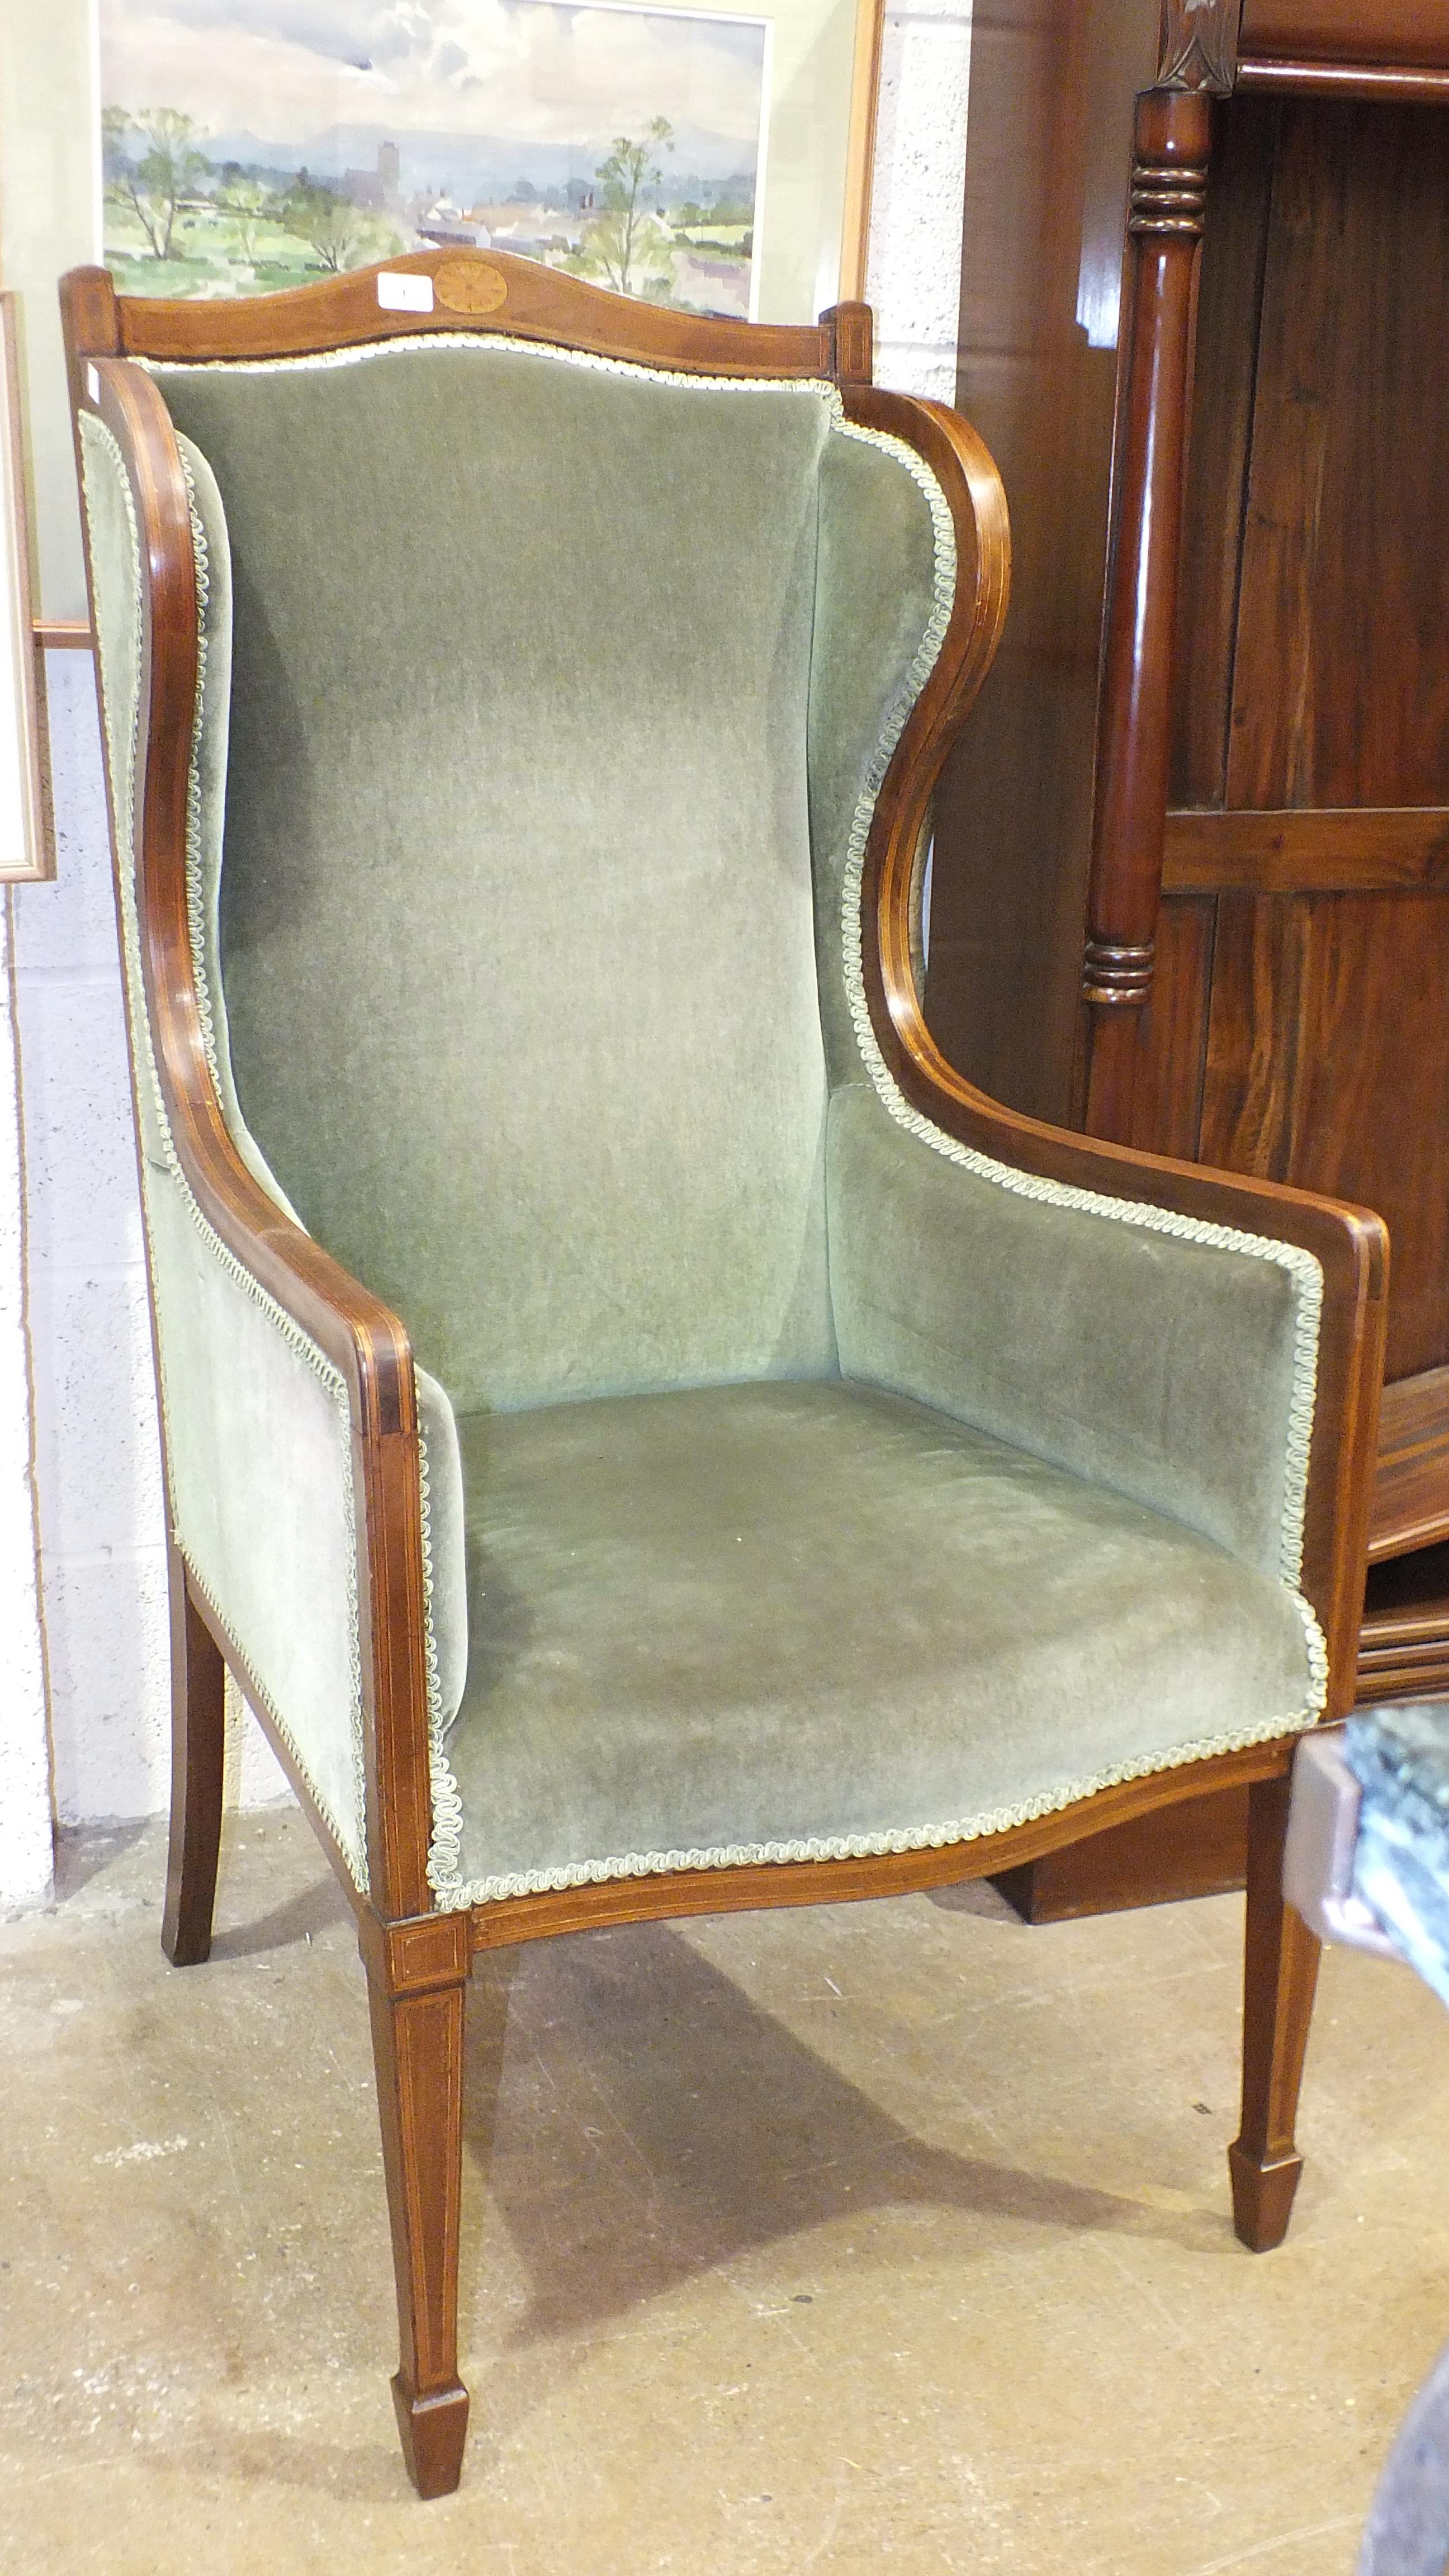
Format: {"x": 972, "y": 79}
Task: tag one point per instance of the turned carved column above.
{"x": 1172, "y": 142}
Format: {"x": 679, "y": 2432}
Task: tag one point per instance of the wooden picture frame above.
{"x": 860, "y": 150}
{"x": 49, "y": 158}
{"x": 27, "y": 835}
{"x": 230, "y": 209}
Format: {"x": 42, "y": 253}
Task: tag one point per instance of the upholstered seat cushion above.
{"x": 775, "y": 1620}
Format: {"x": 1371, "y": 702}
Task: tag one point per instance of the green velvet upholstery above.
{"x": 259, "y": 1471}
{"x": 770, "y": 1622}
{"x": 813, "y": 1485}
{"x": 448, "y": 1594}
{"x": 520, "y": 667}
{"x": 256, "y": 1425}
{"x": 1134, "y": 1357}
{"x": 882, "y": 583}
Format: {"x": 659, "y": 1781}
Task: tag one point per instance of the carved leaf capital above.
{"x": 1198, "y": 46}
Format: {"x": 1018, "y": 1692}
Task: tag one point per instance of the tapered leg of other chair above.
{"x": 1280, "y": 1971}
{"x": 198, "y": 1743}
{"x": 417, "y": 2042}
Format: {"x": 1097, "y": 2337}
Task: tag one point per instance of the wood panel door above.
{"x": 1301, "y": 1012}
{"x": 1053, "y": 91}
{"x": 1296, "y": 1023}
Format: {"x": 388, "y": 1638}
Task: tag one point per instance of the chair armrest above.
{"x": 1211, "y": 1347}
{"x": 1092, "y": 1316}
{"x": 262, "y": 1498}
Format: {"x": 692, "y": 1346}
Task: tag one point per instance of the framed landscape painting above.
{"x": 694, "y": 157}
{"x": 218, "y": 107}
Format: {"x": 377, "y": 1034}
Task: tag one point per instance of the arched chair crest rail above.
{"x": 647, "y": 1436}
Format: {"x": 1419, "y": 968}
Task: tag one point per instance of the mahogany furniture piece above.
{"x": 1177, "y": 1852}
{"x": 1191, "y": 878}
{"x": 541, "y": 1653}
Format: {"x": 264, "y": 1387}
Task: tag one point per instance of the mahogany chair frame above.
{"x": 417, "y": 1958}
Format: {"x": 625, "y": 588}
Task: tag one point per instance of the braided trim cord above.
{"x": 195, "y": 836}
{"x": 195, "y": 906}
{"x": 98, "y": 443}
{"x": 927, "y": 654}
{"x": 373, "y": 352}
{"x": 453, "y": 1894}
{"x": 447, "y": 1837}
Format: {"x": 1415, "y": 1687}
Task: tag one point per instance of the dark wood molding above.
{"x": 1395, "y": 1667}
{"x": 1408, "y": 35}
{"x": 1387, "y": 84}
{"x": 1198, "y": 47}
{"x": 1344, "y": 849}
{"x": 1195, "y": 1847}
{"x": 1118, "y": 977}
{"x": 1404, "y": 1651}
{"x": 1172, "y": 141}
{"x": 1411, "y": 1484}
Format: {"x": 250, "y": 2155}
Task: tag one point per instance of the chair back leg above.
{"x": 198, "y": 1747}
{"x": 417, "y": 2041}
{"x": 1280, "y": 1972}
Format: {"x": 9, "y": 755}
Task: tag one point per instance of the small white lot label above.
{"x": 399, "y": 292}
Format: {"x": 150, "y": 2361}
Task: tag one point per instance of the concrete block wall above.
{"x": 97, "y": 1446}
{"x": 97, "y": 1457}
{"x": 25, "y": 1840}
{"x": 914, "y": 271}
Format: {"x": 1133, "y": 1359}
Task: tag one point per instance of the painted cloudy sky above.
{"x": 301, "y": 75}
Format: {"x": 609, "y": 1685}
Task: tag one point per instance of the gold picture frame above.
{"x": 860, "y": 149}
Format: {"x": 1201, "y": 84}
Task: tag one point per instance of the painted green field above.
{"x": 710, "y": 268}
{"x": 207, "y": 258}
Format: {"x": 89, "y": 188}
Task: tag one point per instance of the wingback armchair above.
{"x": 646, "y": 1436}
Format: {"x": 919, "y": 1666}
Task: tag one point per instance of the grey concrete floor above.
{"x": 881, "y": 2235}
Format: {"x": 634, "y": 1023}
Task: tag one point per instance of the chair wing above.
{"x": 256, "y": 1418}
{"x": 1169, "y": 1357}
